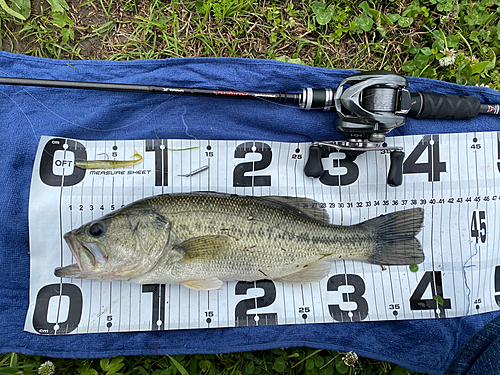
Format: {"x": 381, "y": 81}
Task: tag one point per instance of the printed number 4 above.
{"x": 433, "y": 167}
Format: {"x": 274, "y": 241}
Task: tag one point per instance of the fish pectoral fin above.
{"x": 204, "y": 246}
{"x": 314, "y": 272}
{"x": 212, "y": 283}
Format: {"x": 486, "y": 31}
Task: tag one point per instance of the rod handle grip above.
{"x": 429, "y": 105}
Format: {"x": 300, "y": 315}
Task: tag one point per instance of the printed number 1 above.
{"x": 498, "y": 151}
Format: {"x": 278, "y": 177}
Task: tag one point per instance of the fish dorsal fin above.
{"x": 301, "y": 206}
{"x": 314, "y": 272}
{"x": 204, "y": 246}
{"x": 211, "y": 283}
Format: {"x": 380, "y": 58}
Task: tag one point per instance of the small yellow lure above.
{"x": 108, "y": 164}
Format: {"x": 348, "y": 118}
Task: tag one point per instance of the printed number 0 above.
{"x": 41, "y": 322}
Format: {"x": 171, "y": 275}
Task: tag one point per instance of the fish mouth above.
{"x": 86, "y": 255}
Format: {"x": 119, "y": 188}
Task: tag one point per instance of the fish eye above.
{"x": 97, "y": 229}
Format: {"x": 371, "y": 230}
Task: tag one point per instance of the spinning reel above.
{"x": 369, "y": 105}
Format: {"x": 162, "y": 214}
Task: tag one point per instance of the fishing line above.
{"x": 185, "y": 125}
{"x": 24, "y": 114}
{"x": 465, "y": 277}
{"x": 96, "y": 129}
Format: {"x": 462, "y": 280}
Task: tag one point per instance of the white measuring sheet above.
{"x": 455, "y": 178}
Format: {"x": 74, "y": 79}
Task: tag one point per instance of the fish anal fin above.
{"x": 204, "y": 246}
{"x": 211, "y": 283}
{"x": 312, "y": 273}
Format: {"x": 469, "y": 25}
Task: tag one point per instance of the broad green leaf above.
{"x": 421, "y": 60}
{"x": 405, "y": 21}
{"x": 104, "y": 363}
{"x": 415, "y": 49}
{"x": 408, "y": 67}
{"x": 364, "y": 22}
{"x": 319, "y": 361}
{"x": 67, "y": 34}
{"x": 23, "y": 7}
{"x": 323, "y": 14}
{"x": 61, "y": 19}
{"x": 58, "y": 5}
{"x": 451, "y": 41}
{"x": 393, "y": 17}
{"x": 341, "y": 366}
{"x": 398, "y": 370}
{"x": 205, "y": 365}
{"x": 364, "y": 5}
{"x": 480, "y": 67}
{"x": 279, "y": 364}
{"x": 249, "y": 368}
{"x": 200, "y": 6}
{"x": 309, "y": 364}
{"x": 439, "y": 300}
{"x": 426, "y": 51}
{"x": 438, "y": 40}
{"x": 179, "y": 367}
{"x": 328, "y": 370}
{"x": 10, "y": 11}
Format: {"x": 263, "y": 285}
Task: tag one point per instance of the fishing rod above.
{"x": 369, "y": 105}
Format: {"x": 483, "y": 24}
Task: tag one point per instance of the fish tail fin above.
{"x": 395, "y": 237}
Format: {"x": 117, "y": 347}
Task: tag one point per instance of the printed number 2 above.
{"x": 478, "y": 229}
{"x": 242, "y": 318}
{"x": 239, "y": 178}
{"x": 433, "y": 167}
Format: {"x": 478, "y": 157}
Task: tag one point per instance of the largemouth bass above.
{"x": 202, "y": 239}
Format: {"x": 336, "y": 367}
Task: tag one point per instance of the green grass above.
{"x": 410, "y": 37}
{"x": 450, "y": 40}
{"x": 276, "y": 361}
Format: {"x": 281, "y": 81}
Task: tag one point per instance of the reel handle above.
{"x": 395, "y": 175}
{"x": 314, "y": 167}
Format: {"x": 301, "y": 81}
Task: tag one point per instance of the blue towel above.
{"x": 26, "y": 113}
